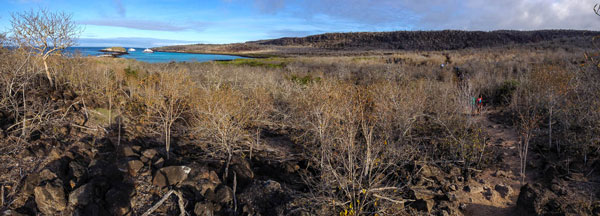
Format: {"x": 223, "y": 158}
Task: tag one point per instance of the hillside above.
{"x": 361, "y": 42}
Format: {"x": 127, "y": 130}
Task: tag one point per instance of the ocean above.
{"x": 156, "y": 57}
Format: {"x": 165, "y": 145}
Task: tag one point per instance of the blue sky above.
{"x": 148, "y": 23}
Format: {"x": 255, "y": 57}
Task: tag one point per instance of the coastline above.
{"x": 248, "y": 55}
{"x": 157, "y": 57}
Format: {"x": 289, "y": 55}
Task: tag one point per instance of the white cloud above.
{"x": 147, "y": 24}
{"x": 448, "y": 14}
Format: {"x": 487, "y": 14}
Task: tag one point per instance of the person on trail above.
{"x": 473, "y": 104}
{"x": 479, "y": 104}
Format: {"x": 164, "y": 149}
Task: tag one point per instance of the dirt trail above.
{"x": 485, "y": 198}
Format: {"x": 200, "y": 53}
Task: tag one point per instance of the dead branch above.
{"x": 159, "y": 203}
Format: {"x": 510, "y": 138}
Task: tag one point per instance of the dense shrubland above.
{"x": 363, "y": 122}
{"x": 359, "y": 43}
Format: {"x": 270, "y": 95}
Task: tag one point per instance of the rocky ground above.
{"x": 95, "y": 172}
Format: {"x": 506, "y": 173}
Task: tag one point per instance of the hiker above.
{"x": 479, "y": 104}
{"x": 473, "y": 104}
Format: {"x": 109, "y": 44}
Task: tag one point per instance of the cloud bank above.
{"x": 446, "y": 14}
{"x": 147, "y": 24}
{"x": 131, "y": 42}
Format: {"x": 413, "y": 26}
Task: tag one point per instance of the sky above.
{"x": 150, "y": 23}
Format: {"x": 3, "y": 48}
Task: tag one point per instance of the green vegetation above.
{"x": 304, "y": 80}
{"x": 268, "y": 62}
{"x": 131, "y": 73}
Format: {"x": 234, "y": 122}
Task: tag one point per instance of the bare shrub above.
{"x": 222, "y": 115}
{"x": 166, "y": 95}
{"x": 354, "y": 159}
{"x": 44, "y": 32}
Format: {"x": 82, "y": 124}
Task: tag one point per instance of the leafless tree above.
{"x": 44, "y": 32}
{"x": 527, "y": 105}
{"x": 2, "y": 39}
{"x": 166, "y": 95}
{"x": 553, "y": 82}
{"x": 355, "y": 159}
{"x": 221, "y": 114}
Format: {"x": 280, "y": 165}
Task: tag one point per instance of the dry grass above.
{"x": 360, "y": 119}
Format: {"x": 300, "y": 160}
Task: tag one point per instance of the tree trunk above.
{"x": 47, "y": 71}
{"x": 24, "y": 130}
{"x": 229, "y": 155}
{"x": 167, "y": 138}
{"x": 550, "y": 131}
{"x": 109, "y": 110}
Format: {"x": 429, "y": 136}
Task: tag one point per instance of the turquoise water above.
{"x": 156, "y": 57}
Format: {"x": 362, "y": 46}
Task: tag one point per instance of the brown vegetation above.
{"x": 365, "y": 43}
{"x": 367, "y": 126}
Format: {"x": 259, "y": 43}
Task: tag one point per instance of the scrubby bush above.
{"x": 358, "y": 122}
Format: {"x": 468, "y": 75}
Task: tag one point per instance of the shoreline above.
{"x": 101, "y": 52}
{"x": 218, "y": 53}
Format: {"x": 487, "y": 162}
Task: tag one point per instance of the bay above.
{"x": 156, "y": 57}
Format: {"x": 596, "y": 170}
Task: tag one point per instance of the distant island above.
{"x": 366, "y": 42}
{"x": 114, "y": 51}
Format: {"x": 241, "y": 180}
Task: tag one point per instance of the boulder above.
{"x": 134, "y": 166}
{"x": 127, "y": 151}
{"x": 223, "y": 195}
{"x": 136, "y": 148}
{"x": 201, "y": 179}
{"x": 172, "y": 175}
{"x": 487, "y": 193}
{"x": 118, "y": 201}
{"x": 419, "y": 193}
{"x": 76, "y": 169}
{"x": 32, "y": 181}
{"x": 503, "y": 190}
{"x": 149, "y": 153}
{"x": 423, "y": 205}
{"x": 47, "y": 175}
{"x": 243, "y": 171}
{"x": 159, "y": 163}
{"x": 264, "y": 198}
{"x": 535, "y": 200}
{"x": 50, "y": 198}
{"x": 97, "y": 167}
{"x": 204, "y": 209}
{"x": 451, "y": 208}
{"x": 54, "y": 154}
{"x": 82, "y": 195}
{"x": 430, "y": 171}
